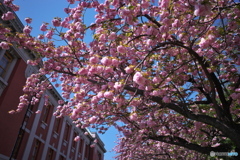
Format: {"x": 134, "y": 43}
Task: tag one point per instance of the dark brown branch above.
{"x": 152, "y": 20}
{"x": 226, "y": 7}
{"x": 109, "y": 20}
{"x": 65, "y": 72}
{"x": 101, "y": 77}
{"x": 214, "y": 82}
{"x": 200, "y": 102}
{"x": 133, "y": 89}
{"x": 139, "y": 36}
{"x": 192, "y": 146}
{"x": 96, "y": 82}
{"x": 230, "y": 132}
{"x": 201, "y": 90}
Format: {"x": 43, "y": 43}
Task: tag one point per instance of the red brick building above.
{"x": 28, "y": 135}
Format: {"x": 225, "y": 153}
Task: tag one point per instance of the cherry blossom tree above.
{"x": 164, "y": 73}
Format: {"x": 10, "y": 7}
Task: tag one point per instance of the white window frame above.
{"x": 4, "y": 80}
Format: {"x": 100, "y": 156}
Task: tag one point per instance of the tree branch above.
{"x": 192, "y": 146}
{"x": 152, "y": 20}
{"x": 227, "y": 130}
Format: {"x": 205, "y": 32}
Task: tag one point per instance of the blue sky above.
{"x": 44, "y": 11}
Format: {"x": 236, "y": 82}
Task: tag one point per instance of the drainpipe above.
{"x": 19, "y": 139}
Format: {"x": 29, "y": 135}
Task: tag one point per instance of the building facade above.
{"x": 27, "y": 135}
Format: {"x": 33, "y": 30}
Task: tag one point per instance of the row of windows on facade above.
{"x": 7, "y": 62}
{"x": 51, "y": 153}
{"x": 45, "y": 118}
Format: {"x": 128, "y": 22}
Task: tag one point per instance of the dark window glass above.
{"x": 46, "y": 113}
{"x": 5, "y": 63}
{"x": 36, "y": 149}
{"x": 57, "y": 124}
{"x": 67, "y": 128}
{"x": 50, "y": 154}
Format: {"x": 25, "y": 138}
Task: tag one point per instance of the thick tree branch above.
{"x": 65, "y": 72}
{"x": 152, "y": 20}
{"x": 192, "y": 146}
{"x": 214, "y": 84}
{"x": 230, "y": 132}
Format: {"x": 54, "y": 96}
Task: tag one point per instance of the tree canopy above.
{"x": 165, "y": 73}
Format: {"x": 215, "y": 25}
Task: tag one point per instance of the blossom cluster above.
{"x": 168, "y": 71}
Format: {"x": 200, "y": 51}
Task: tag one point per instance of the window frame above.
{"x": 67, "y": 131}
{"x": 8, "y": 71}
{"x": 99, "y": 155}
{"x": 46, "y": 112}
{"x": 10, "y": 66}
{"x": 50, "y": 154}
{"x": 36, "y": 149}
{"x": 75, "y": 134}
{"x": 61, "y": 157}
{"x": 57, "y": 125}
{"x": 9, "y": 58}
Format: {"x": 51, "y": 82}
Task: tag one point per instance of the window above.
{"x": 87, "y": 147}
{"x": 61, "y": 158}
{"x": 46, "y": 113}
{"x": 5, "y": 62}
{"x": 36, "y": 149}
{"x": 74, "y": 142}
{"x": 50, "y": 154}
{"x": 57, "y": 124}
{"x": 99, "y": 156}
{"x": 67, "y": 128}
{"x": 80, "y": 147}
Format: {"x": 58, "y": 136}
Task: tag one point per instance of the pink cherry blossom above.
{"x": 38, "y": 111}
{"x": 129, "y": 69}
{"x": 112, "y": 36}
{"x": 133, "y": 116}
{"x": 94, "y": 60}
{"x": 166, "y": 99}
{"x": 76, "y": 139}
{"x": 27, "y": 29}
{"x": 156, "y": 80}
{"x": 11, "y": 112}
{"x": 93, "y": 119}
{"x": 139, "y": 79}
{"x": 121, "y": 49}
{"x": 56, "y": 22}
{"x": 43, "y": 27}
{"x": 40, "y": 36}
{"x": 49, "y": 34}
{"x": 164, "y": 3}
{"x": 202, "y": 9}
{"x": 8, "y": 16}
{"x": 108, "y": 95}
{"x": 203, "y": 43}
{"x": 28, "y": 20}
{"x": 160, "y": 72}
{"x": 4, "y": 45}
{"x": 95, "y": 141}
{"x": 106, "y": 61}
{"x": 118, "y": 85}
{"x": 93, "y": 145}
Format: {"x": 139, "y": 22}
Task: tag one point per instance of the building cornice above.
{"x": 16, "y": 22}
